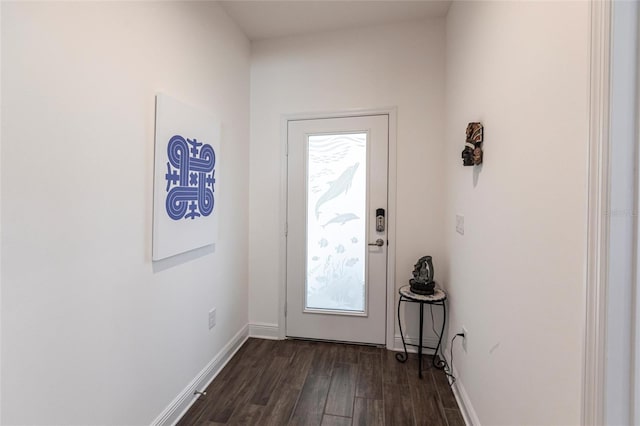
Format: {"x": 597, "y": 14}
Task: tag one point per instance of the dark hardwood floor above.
{"x": 294, "y": 382}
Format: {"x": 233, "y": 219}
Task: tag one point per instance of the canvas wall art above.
{"x": 187, "y": 143}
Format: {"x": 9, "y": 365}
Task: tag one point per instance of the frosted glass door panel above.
{"x": 336, "y": 222}
{"x": 336, "y": 281}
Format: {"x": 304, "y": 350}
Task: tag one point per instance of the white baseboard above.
{"x": 179, "y": 406}
{"x": 468, "y": 413}
{"x": 429, "y": 341}
{"x": 264, "y": 330}
{"x": 462, "y": 398}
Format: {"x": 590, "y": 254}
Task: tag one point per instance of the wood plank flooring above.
{"x": 295, "y": 382}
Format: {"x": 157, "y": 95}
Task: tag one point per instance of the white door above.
{"x": 336, "y": 274}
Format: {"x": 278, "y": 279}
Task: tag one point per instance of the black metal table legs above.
{"x": 402, "y": 357}
{"x": 440, "y": 364}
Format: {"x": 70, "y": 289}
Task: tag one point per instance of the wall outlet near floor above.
{"x": 212, "y": 318}
{"x": 460, "y": 224}
{"x": 464, "y": 338}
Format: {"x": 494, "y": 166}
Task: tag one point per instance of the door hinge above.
{"x": 286, "y": 149}
{"x": 286, "y": 229}
{"x": 285, "y": 309}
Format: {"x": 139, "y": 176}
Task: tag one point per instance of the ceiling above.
{"x": 262, "y": 19}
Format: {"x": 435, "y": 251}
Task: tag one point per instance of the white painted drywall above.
{"x": 384, "y": 66}
{"x": 92, "y": 332}
{"x": 623, "y": 166}
{"x": 516, "y": 278}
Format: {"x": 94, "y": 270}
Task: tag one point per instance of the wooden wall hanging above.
{"x": 472, "y": 153}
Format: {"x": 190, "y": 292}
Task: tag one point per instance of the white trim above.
{"x": 183, "y": 401}
{"x": 263, "y": 330}
{"x": 635, "y": 324}
{"x": 392, "y": 112}
{"x": 462, "y": 397}
{"x": 391, "y": 226}
{"x": 593, "y": 388}
{"x": 339, "y": 114}
{"x": 428, "y": 341}
{"x": 282, "y": 246}
{"x": 464, "y": 403}
{"x": 635, "y": 406}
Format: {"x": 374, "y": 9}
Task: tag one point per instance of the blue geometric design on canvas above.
{"x": 190, "y": 178}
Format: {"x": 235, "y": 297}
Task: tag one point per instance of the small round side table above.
{"x": 438, "y": 299}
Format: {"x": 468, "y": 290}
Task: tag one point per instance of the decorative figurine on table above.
{"x": 472, "y": 154}
{"x": 422, "y": 281}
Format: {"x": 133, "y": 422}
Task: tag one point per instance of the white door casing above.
{"x": 323, "y": 204}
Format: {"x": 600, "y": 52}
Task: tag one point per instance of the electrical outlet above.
{"x": 212, "y": 318}
{"x": 460, "y": 224}
{"x": 464, "y": 338}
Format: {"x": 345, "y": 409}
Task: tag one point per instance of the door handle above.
{"x": 379, "y": 242}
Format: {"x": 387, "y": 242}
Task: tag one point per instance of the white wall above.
{"x": 395, "y": 65}
{"x": 92, "y": 332}
{"x": 516, "y": 278}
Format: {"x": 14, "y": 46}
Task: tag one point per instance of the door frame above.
{"x": 597, "y": 262}
{"x": 392, "y": 113}
{"x": 600, "y": 244}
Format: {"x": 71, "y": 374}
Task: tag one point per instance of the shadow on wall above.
{"x": 476, "y": 174}
{"x": 179, "y": 259}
